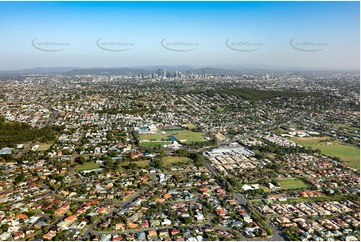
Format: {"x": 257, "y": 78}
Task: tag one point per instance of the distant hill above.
{"x": 107, "y": 71}
{"x": 214, "y": 71}
{"x": 137, "y": 71}
{"x": 148, "y": 69}
{"x": 37, "y": 70}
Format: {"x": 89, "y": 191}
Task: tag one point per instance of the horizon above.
{"x": 275, "y": 35}
{"x": 245, "y": 68}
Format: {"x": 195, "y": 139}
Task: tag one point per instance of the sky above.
{"x": 301, "y": 35}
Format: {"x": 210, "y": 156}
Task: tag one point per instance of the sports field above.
{"x": 169, "y": 160}
{"x": 190, "y": 126}
{"x": 292, "y": 183}
{"x": 45, "y": 146}
{"x": 87, "y": 166}
{"x": 153, "y": 137}
{"x": 156, "y": 143}
{"x": 185, "y": 136}
{"x": 141, "y": 163}
{"x": 347, "y": 153}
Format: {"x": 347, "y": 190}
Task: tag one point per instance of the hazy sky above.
{"x": 117, "y": 34}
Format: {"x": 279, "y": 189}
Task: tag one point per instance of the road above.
{"x": 72, "y": 170}
{"x": 49, "y": 122}
{"x": 240, "y": 235}
{"x": 131, "y": 230}
{"x": 209, "y": 166}
{"x": 277, "y": 234}
{"x": 90, "y": 230}
{"x": 292, "y": 120}
{"x": 24, "y": 151}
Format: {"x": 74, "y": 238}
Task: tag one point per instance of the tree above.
{"x": 204, "y": 177}
{"x": 187, "y": 220}
{"x": 5, "y": 227}
{"x": 113, "y": 153}
{"x": 80, "y": 159}
{"x": 19, "y": 178}
{"x": 161, "y": 153}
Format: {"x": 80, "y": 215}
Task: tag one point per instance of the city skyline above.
{"x": 285, "y": 35}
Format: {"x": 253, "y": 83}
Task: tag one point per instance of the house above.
{"x": 51, "y": 234}
{"x": 90, "y": 203}
{"x": 247, "y": 218}
{"x": 64, "y": 225}
{"x": 200, "y": 238}
{"x": 274, "y": 196}
{"x": 132, "y": 226}
{"x": 349, "y": 238}
{"x": 119, "y": 227}
{"x": 232, "y": 202}
{"x": 5, "y": 236}
{"x": 235, "y": 223}
{"x": 40, "y": 224}
{"x": 167, "y": 196}
{"x": 33, "y": 219}
{"x": 174, "y": 231}
{"x": 163, "y": 233}
{"x": 130, "y": 237}
{"x": 117, "y": 238}
{"x": 19, "y": 235}
{"x": 166, "y": 222}
{"x": 155, "y": 223}
{"x": 272, "y": 186}
{"x": 221, "y": 212}
{"x": 199, "y": 217}
{"x": 81, "y": 210}
{"x": 62, "y": 210}
{"x": 220, "y": 192}
{"x": 141, "y": 236}
{"x": 248, "y": 232}
{"x": 30, "y": 233}
{"x": 152, "y": 234}
{"x": 247, "y": 187}
{"x": 22, "y": 216}
{"x": 204, "y": 190}
{"x": 144, "y": 224}
{"x": 70, "y": 219}
{"x": 105, "y": 237}
{"x": 102, "y": 210}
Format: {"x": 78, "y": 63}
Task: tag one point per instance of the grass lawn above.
{"x": 271, "y": 155}
{"x": 190, "y": 126}
{"x": 45, "y": 146}
{"x": 292, "y": 183}
{"x": 87, "y": 166}
{"x": 257, "y": 202}
{"x": 309, "y": 199}
{"x": 156, "y": 143}
{"x": 265, "y": 189}
{"x": 169, "y": 160}
{"x": 181, "y": 134}
{"x": 141, "y": 163}
{"x": 347, "y": 126}
{"x": 347, "y": 153}
{"x": 155, "y": 137}
{"x": 187, "y": 135}
{"x": 311, "y": 141}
